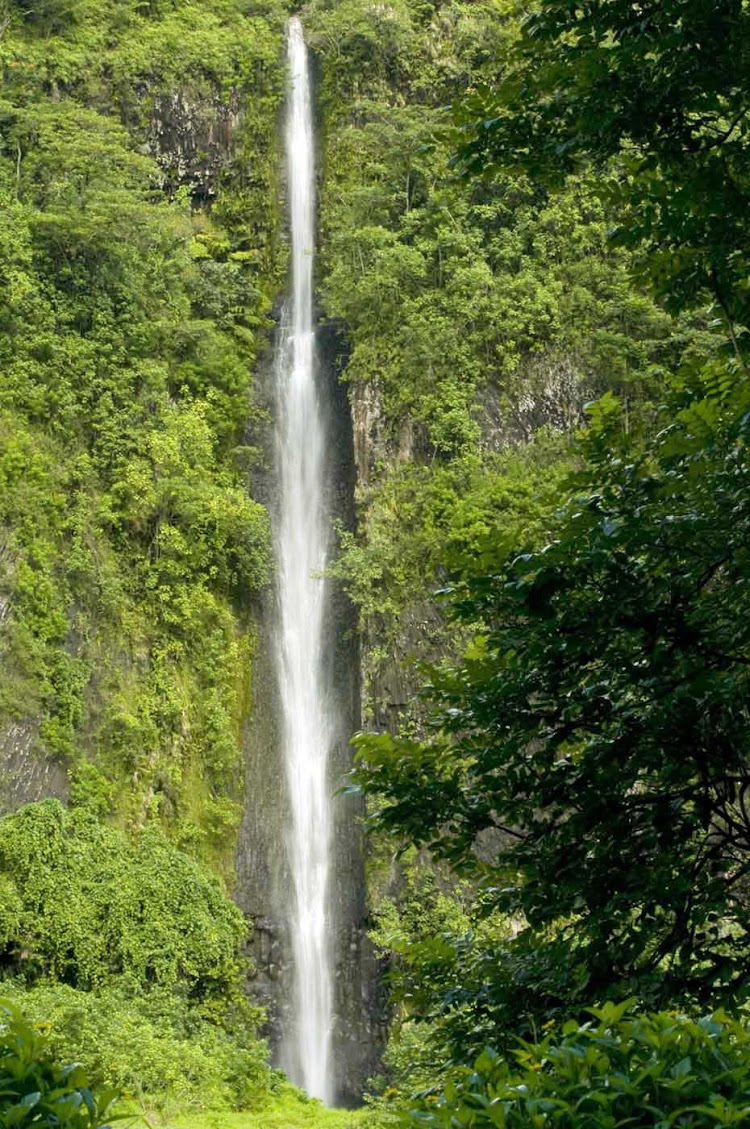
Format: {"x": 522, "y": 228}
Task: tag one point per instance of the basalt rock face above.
{"x": 26, "y": 773}
{"x": 360, "y": 1027}
{"x": 192, "y": 135}
{"x": 548, "y": 391}
{"x": 264, "y": 883}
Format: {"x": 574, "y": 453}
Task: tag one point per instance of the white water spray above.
{"x": 302, "y": 536}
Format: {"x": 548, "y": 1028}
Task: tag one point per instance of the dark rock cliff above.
{"x": 263, "y": 878}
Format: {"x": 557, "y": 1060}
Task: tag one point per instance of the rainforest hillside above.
{"x": 141, "y": 257}
{"x": 141, "y": 261}
{"x": 531, "y": 282}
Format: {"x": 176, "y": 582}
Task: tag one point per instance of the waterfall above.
{"x": 302, "y": 536}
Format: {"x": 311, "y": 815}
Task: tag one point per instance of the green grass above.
{"x": 287, "y": 1110}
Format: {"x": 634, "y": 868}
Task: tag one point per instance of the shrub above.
{"x": 620, "y": 1068}
{"x": 156, "y": 1049}
{"x": 35, "y": 1090}
{"x": 84, "y": 905}
{"x": 129, "y": 954}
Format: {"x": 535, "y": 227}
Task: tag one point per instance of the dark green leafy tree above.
{"x": 660, "y": 88}
{"x": 591, "y": 765}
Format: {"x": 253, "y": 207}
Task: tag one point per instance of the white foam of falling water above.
{"x": 302, "y": 532}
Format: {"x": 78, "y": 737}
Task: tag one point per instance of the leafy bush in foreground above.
{"x": 659, "y": 1070}
{"x": 156, "y": 1049}
{"x": 35, "y": 1090}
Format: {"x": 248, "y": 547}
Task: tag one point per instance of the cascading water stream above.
{"x": 302, "y": 536}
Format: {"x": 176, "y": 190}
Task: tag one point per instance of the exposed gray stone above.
{"x": 27, "y": 773}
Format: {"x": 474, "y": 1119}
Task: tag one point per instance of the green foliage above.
{"x": 453, "y": 297}
{"x": 471, "y": 317}
{"x": 596, "y": 732}
{"x": 660, "y": 88}
{"x": 35, "y": 1090}
{"x": 504, "y": 294}
{"x": 619, "y": 1068}
{"x": 419, "y": 525}
{"x": 416, "y": 908}
{"x": 158, "y": 1050}
{"x": 87, "y": 908}
{"x": 131, "y": 319}
{"x": 371, "y": 44}
{"x": 422, "y": 522}
{"x": 128, "y": 955}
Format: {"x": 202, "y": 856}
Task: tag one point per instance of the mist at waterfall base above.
{"x": 302, "y": 532}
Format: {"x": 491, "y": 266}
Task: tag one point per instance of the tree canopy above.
{"x": 589, "y": 760}
{"x": 655, "y": 94}
{"x": 592, "y": 764}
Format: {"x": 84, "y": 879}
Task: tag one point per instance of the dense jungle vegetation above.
{"x": 534, "y": 253}
{"x": 140, "y": 262}
{"x": 576, "y": 765}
